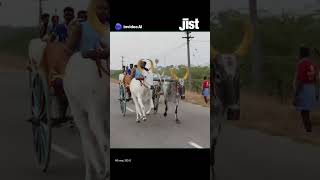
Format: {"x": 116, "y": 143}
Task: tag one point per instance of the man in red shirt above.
{"x": 205, "y": 89}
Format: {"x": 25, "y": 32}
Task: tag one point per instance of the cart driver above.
{"x": 90, "y": 37}
{"x": 139, "y": 70}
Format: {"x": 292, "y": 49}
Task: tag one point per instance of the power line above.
{"x": 125, "y": 62}
{"x": 163, "y": 54}
{"x": 200, "y": 41}
{"x": 188, "y": 37}
{"x": 172, "y": 50}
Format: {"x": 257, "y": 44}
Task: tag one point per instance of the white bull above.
{"x": 87, "y": 95}
{"x": 141, "y": 92}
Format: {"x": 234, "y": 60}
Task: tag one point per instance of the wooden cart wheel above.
{"x": 41, "y": 124}
{"x": 122, "y": 98}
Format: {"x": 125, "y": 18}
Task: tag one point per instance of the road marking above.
{"x": 65, "y": 153}
{"x": 130, "y": 109}
{"x": 195, "y": 145}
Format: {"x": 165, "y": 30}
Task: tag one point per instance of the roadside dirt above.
{"x": 267, "y": 114}
{"x": 12, "y": 63}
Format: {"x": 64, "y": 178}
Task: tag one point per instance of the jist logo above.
{"x": 187, "y": 24}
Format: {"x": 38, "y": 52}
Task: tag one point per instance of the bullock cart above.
{"x": 123, "y": 98}
{"x": 46, "y": 105}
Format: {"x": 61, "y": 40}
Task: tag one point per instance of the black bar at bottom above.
{"x": 166, "y": 164}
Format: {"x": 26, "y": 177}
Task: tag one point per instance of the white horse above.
{"x": 141, "y": 92}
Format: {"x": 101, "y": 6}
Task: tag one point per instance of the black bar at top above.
{"x": 159, "y": 15}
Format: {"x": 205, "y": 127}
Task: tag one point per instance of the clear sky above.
{"x": 169, "y": 47}
{"x": 26, "y": 12}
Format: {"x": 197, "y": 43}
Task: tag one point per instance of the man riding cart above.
{"x": 138, "y": 73}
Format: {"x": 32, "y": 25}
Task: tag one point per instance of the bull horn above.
{"x": 152, "y": 65}
{"x": 246, "y": 41}
{"x": 185, "y": 77}
{"x": 213, "y": 52}
{"x": 173, "y": 74}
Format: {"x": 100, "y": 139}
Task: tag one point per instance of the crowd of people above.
{"x": 55, "y": 30}
{"x": 133, "y": 70}
{"x": 76, "y": 34}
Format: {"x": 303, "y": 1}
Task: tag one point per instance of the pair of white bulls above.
{"x": 141, "y": 91}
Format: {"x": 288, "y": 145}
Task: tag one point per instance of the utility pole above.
{"x": 188, "y": 37}
{"x": 122, "y": 61}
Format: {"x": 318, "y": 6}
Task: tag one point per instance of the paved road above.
{"x": 158, "y": 131}
{"x": 248, "y": 154}
{"x": 16, "y": 152}
{"x": 241, "y": 154}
